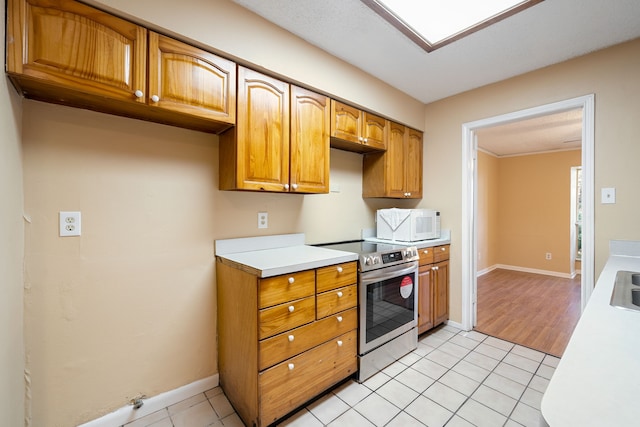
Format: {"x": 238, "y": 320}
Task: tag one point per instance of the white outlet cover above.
{"x": 70, "y": 224}
{"x": 608, "y": 196}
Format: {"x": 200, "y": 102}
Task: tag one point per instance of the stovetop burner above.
{"x": 373, "y": 255}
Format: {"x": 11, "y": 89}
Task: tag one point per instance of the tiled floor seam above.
{"x": 518, "y": 400}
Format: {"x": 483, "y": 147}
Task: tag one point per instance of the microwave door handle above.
{"x": 384, "y": 274}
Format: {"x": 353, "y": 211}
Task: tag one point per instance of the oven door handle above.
{"x": 387, "y": 273}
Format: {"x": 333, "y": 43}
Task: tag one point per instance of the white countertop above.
{"x": 445, "y": 239}
{"x": 597, "y": 382}
{"x": 268, "y": 256}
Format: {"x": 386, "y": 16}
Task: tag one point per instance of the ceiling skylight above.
{"x": 434, "y": 23}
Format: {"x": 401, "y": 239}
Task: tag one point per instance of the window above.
{"x": 432, "y": 24}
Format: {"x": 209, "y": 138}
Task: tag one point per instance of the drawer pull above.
{"x": 339, "y": 318}
{"x": 291, "y": 308}
{"x": 339, "y": 294}
{"x": 291, "y": 366}
{"x": 291, "y": 338}
{"x": 339, "y": 343}
{"x": 443, "y": 249}
{"x": 339, "y": 269}
{"x": 291, "y": 280}
{"x": 426, "y": 252}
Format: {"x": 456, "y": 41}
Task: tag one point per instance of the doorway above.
{"x": 469, "y": 201}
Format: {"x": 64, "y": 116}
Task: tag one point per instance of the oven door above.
{"x": 388, "y": 300}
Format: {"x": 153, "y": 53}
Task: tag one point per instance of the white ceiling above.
{"x": 547, "y": 33}
{"x": 554, "y": 132}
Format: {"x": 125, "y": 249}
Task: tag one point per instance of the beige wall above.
{"x": 129, "y": 307}
{"x": 487, "y": 220}
{"x": 11, "y": 254}
{"x": 610, "y": 74}
{"x": 527, "y": 211}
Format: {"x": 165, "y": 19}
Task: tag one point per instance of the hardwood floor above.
{"x": 533, "y": 310}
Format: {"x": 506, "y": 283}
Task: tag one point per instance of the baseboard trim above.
{"x": 127, "y": 414}
{"x": 526, "y": 270}
{"x": 454, "y": 324}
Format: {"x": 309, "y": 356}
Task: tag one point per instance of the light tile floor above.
{"x": 454, "y": 378}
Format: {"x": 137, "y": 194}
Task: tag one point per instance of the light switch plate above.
{"x": 70, "y": 224}
{"x": 608, "y": 196}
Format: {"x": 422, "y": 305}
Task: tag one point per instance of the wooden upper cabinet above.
{"x": 185, "y": 79}
{"x": 346, "y": 122}
{"x": 255, "y": 154}
{"x": 355, "y": 130}
{"x": 374, "y": 130}
{"x": 281, "y": 139}
{"x": 413, "y": 156}
{"x": 310, "y": 127}
{"x": 69, "y": 44}
{"x": 397, "y": 172}
{"x": 66, "y": 52}
{"x": 396, "y": 161}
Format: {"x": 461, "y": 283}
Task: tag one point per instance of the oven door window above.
{"x": 390, "y": 305}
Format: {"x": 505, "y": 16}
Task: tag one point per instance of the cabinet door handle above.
{"x": 339, "y": 294}
{"x": 435, "y": 268}
{"x": 291, "y": 308}
{"x": 366, "y": 140}
{"x": 138, "y": 93}
{"x": 339, "y": 343}
{"x": 291, "y": 366}
{"x": 286, "y": 186}
{"x": 294, "y": 186}
{"x": 291, "y": 338}
{"x": 155, "y": 98}
{"x": 291, "y": 280}
{"x": 339, "y": 318}
{"x": 339, "y": 269}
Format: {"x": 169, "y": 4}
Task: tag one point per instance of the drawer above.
{"x": 308, "y": 374}
{"x": 426, "y": 255}
{"x": 281, "y": 318}
{"x": 336, "y": 276}
{"x": 337, "y": 300}
{"x": 288, "y": 287}
{"x": 440, "y": 253}
{"x": 280, "y": 347}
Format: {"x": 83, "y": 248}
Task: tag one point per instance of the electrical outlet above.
{"x": 70, "y": 224}
{"x": 547, "y": 256}
{"x": 263, "y": 220}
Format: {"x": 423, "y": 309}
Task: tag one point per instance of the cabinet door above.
{"x": 413, "y": 164}
{"x": 425, "y": 300}
{"x": 441, "y": 293}
{"x": 374, "y": 131}
{"x": 310, "y": 127}
{"x": 395, "y": 161}
{"x": 262, "y": 132}
{"x": 76, "y": 47}
{"x": 346, "y": 122}
{"x": 185, "y": 79}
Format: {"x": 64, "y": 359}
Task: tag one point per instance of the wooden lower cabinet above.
{"x": 294, "y": 381}
{"x": 284, "y": 340}
{"x": 433, "y": 294}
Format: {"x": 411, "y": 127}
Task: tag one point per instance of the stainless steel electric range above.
{"x": 387, "y": 302}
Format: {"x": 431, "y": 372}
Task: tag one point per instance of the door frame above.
{"x": 469, "y": 245}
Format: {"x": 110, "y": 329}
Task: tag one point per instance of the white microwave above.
{"x": 407, "y": 225}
